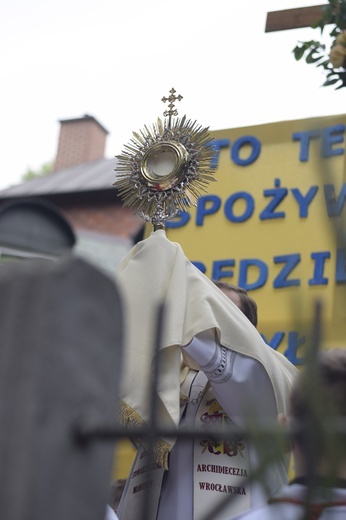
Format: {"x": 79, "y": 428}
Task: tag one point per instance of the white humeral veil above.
{"x": 156, "y": 271}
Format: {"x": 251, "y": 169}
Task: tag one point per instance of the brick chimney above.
{"x": 81, "y": 140}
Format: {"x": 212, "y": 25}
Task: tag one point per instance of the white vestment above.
{"x": 247, "y": 378}
{"x": 110, "y": 514}
{"x": 195, "y": 481}
{"x": 287, "y": 510}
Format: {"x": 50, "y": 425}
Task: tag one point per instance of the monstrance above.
{"x": 165, "y": 167}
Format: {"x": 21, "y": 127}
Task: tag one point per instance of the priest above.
{"x": 208, "y": 367}
{"x": 213, "y": 368}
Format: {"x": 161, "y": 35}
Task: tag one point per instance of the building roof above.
{"x": 88, "y": 177}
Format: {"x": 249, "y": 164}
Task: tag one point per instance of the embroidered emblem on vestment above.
{"x": 216, "y": 416}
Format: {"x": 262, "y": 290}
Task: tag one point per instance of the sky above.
{"x": 61, "y": 59}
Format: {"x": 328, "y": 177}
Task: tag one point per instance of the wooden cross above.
{"x": 293, "y": 18}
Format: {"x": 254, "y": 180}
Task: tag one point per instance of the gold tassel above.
{"x": 128, "y": 416}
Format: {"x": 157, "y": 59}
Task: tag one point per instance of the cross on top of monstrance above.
{"x": 172, "y": 111}
{"x": 165, "y": 167}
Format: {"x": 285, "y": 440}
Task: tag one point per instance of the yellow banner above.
{"x": 272, "y": 223}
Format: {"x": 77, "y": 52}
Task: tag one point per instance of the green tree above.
{"x": 45, "y": 169}
{"x": 333, "y": 60}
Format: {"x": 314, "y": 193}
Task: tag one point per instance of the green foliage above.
{"x": 315, "y": 52}
{"x": 45, "y": 169}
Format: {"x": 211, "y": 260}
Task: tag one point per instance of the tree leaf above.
{"x": 330, "y": 82}
{"x": 324, "y": 64}
{"x": 299, "y": 52}
{"x": 313, "y": 59}
{"x": 313, "y": 56}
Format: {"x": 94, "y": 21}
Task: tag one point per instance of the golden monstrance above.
{"x": 165, "y": 167}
